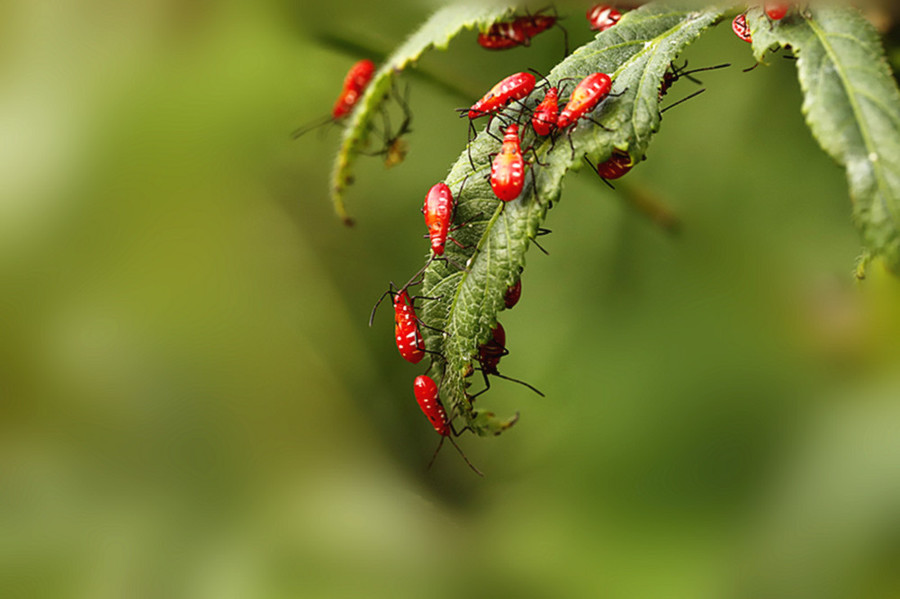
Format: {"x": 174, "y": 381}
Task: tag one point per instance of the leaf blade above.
{"x": 852, "y": 106}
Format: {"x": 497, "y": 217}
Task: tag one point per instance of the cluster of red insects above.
{"x": 507, "y": 176}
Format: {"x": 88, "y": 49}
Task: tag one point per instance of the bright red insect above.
{"x": 438, "y": 211}
{"x": 406, "y": 328}
{"x": 618, "y": 165}
{"x": 426, "y": 392}
{"x": 587, "y": 94}
{"x": 776, "y": 10}
{"x": 602, "y": 17}
{"x": 546, "y": 113}
{"x": 741, "y": 28}
{"x": 512, "y": 295}
{"x": 514, "y": 87}
{"x": 508, "y": 168}
{"x": 355, "y": 83}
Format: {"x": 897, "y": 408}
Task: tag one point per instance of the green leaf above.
{"x": 636, "y": 54}
{"x": 852, "y": 104}
{"x": 436, "y": 32}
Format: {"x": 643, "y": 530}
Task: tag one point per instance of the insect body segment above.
{"x": 508, "y": 168}
{"x": 514, "y": 87}
{"x": 602, "y": 17}
{"x": 406, "y": 329}
{"x": 546, "y": 113}
{"x": 587, "y": 94}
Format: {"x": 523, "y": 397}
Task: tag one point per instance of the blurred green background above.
{"x": 193, "y": 405}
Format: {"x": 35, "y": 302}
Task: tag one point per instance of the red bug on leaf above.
{"x": 518, "y": 32}
{"x": 543, "y": 121}
{"x": 426, "y": 392}
{"x": 489, "y": 354}
{"x": 407, "y": 334}
{"x": 741, "y": 28}
{"x": 602, "y": 16}
{"x": 508, "y": 167}
{"x": 355, "y": 83}
{"x": 514, "y": 87}
{"x": 776, "y": 10}
{"x": 616, "y": 166}
{"x": 406, "y": 329}
{"x": 438, "y": 210}
{"x": 512, "y": 295}
{"x": 589, "y": 92}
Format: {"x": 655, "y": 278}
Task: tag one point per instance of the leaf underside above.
{"x": 436, "y": 32}
{"x": 635, "y": 53}
{"x": 852, "y": 105}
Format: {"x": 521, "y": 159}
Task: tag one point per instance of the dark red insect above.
{"x": 618, "y": 165}
{"x": 438, "y": 210}
{"x": 587, "y": 94}
{"x": 489, "y": 354}
{"x": 546, "y": 113}
{"x": 508, "y": 168}
{"x": 406, "y": 328}
{"x": 741, "y": 28}
{"x": 602, "y": 17}
{"x": 355, "y": 83}
{"x": 776, "y": 10}
{"x": 514, "y": 87}
{"x": 426, "y": 392}
{"x": 512, "y": 295}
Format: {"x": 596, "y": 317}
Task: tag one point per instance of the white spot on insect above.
{"x": 873, "y": 157}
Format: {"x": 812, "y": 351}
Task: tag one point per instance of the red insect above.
{"x": 514, "y": 87}
{"x": 438, "y": 210}
{"x": 512, "y": 295}
{"x": 618, "y": 165}
{"x": 602, "y": 17}
{"x": 777, "y": 10}
{"x": 406, "y": 328}
{"x": 355, "y": 83}
{"x": 518, "y": 32}
{"x": 489, "y": 354}
{"x": 587, "y": 94}
{"x": 741, "y": 28}
{"x": 508, "y": 168}
{"x": 426, "y": 393}
{"x": 546, "y": 113}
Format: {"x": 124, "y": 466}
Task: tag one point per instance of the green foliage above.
{"x": 436, "y": 32}
{"x": 636, "y": 53}
{"x": 852, "y": 106}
